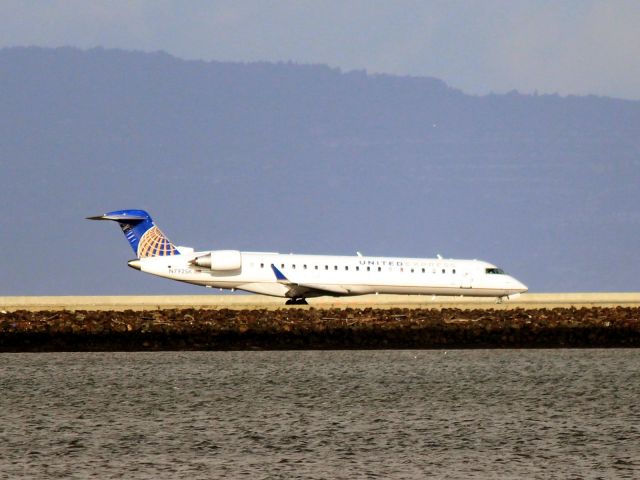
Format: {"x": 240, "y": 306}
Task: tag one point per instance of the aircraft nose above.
{"x": 134, "y": 264}
{"x": 521, "y": 287}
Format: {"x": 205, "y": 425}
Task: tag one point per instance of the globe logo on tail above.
{"x": 154, "y": 243}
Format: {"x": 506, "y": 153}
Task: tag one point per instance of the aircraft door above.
{"x": 466, "y": 281}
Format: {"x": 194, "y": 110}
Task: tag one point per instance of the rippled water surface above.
{"x": 328, "y": 414}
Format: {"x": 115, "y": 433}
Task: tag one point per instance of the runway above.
{"x": 252, "y": 302}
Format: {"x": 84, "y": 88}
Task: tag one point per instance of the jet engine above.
{"x": 219, "y": 260}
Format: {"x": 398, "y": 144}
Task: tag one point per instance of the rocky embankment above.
{"x": 293, "y": 328}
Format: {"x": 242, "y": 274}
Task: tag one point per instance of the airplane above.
{"x": 299, "y": 277}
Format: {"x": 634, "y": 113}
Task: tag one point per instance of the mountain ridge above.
{"x": 307, "y": 158}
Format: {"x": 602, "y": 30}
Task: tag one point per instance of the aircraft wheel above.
{"x": 297, "y": 301}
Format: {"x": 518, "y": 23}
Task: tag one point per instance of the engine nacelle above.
{"x": 220, "y": 260}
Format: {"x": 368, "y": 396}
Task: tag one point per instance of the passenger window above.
{"x": 379, "y": 269}
{"x": 326, "y": 267}
{"x": 423, "y": 270}
{"x": 368, "y": 269}
{"x": 293, "y": 266}
{"x": 304, "y": 266}
{"x": 357, "y": 269}
{"x": 346, "y": 267}
{"x": 443, "y": 270}
{"x": 262, "y": 265}
{"x": 282, "y": 265}
{"x": 335, "y": 267}
{"x": 315, "y": 266}
{"x": 412, "y": 270}
{"x": 454, "y": 270}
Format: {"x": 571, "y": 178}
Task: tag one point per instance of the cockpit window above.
{"x": 494, "y": 271}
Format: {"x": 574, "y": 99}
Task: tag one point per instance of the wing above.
{"x": 297, "y": 290}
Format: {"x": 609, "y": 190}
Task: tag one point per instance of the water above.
{"x": 325, "y": 414}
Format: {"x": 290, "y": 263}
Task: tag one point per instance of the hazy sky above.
{"x": 572, "y": 46}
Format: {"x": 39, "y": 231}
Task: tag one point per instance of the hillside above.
{"x": 305, "y": 158}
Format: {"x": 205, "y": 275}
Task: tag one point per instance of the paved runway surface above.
{"x": 242, "y": 302}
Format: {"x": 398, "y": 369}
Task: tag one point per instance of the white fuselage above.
{"x": 319, "y": 275}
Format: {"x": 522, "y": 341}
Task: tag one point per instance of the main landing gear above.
{"x": 297, "y": 301}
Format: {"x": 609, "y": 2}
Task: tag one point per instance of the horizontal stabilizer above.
{"x": 119, "y": 217}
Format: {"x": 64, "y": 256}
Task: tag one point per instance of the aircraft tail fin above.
{"x": 145, "y": 238}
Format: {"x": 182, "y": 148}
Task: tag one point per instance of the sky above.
{"x": 567, "y": 47}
